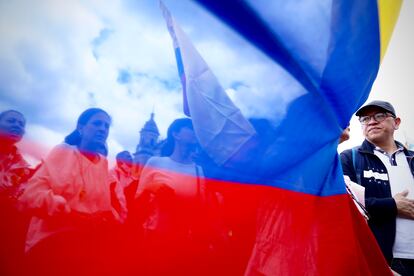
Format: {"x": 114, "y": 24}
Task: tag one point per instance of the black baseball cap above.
{"x": 381, "y": 104}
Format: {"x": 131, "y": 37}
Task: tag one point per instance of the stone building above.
{"x": 149, "y": 144}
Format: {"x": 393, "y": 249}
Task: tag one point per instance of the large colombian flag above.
{"x": 329, "y": 51}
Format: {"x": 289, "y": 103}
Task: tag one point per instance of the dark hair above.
{"x": 11, "y": 110}
{"x": 175, "y": 126}
{"x": 74, "y": 138}
{"x": 119, "y": 157}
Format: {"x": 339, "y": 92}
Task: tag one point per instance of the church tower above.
{"x": 148, "y": 143}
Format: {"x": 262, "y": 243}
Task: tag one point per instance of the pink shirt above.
{"x": 67, "y": 174}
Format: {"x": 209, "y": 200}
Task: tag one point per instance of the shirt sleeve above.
{"x": 42, "y": 190}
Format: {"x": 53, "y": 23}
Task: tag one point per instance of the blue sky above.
{"x": 58, "y": 58}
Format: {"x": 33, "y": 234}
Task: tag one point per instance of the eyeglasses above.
{"x": 378, "y": 117}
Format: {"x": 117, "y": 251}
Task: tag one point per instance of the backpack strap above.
{"x": 356, "y": 162}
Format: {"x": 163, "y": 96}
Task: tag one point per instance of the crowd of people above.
{"x": 71, "y": 215}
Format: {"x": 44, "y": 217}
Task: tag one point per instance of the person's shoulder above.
{"x": 357, "y": 148}
{"x": 410, "y": 153}
{"x": 63, "y": 148}
{"x": 158, "y": 162}
{"x": 347, "y": 152}
{"x": 18, "y": 159}
{"x": 60, "y": 151}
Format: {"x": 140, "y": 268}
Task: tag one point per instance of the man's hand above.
{"x": 405, "y": 206}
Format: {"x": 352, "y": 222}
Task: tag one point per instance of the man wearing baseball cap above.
{"x": 385, "y": 168}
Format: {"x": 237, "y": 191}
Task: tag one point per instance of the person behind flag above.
{"x": 174, "y": 186}
{"x": 306, "y": 222}
{"x": 356, "y": 191}
{"x": 13, "y": 168}
{"x": 70, "y": 203}
{"x": 344, "y": 135}
{"x": 14, "y": 172}
{"x": 385, "y": 168}
{"x": 123, "y": 185}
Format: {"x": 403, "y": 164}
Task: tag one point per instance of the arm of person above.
{"x": 381, "y": 209}
{"x": 39, "y": 197}
{"x": 405, "y": 206}
{"x": 148, "y": 182}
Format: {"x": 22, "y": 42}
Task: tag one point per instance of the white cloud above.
{"x": 50, "y": 71}
{"x": 394, "y": 78}
{"x": 38, "y": 141}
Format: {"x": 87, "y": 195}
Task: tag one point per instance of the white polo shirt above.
{"x": 400, "y": 178}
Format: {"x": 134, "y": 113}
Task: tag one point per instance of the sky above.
{"x": 58, "y": 58}
{"x": 394, "y": 80}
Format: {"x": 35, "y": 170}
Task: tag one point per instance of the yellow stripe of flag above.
{"x": 388, "y": 14}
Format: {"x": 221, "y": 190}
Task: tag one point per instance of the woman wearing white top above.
{"x": 70, "y": 201}
{"x": 173, "y": 188}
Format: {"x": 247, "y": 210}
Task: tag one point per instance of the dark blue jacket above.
{"x": 378, "y": 199}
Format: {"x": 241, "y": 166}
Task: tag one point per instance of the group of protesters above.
{"x": 71, "y": 215}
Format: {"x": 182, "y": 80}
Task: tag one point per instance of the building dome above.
{"x": 150, "y": 126}
{"x": 148, "y": 144}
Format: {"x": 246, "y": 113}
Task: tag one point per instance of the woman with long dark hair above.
{"x": 177, "y": 157}
{"x": 70, "y": 202}
{"x": 174, "y": 189}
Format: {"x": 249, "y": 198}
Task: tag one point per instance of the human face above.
{"x": 12, "y": 126}
{"x": 95, "y": 132}
{"x": 378, "y": 132}
{"x": 186, "y": 137}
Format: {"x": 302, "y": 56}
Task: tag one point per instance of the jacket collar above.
{"x": 368, "y": 147}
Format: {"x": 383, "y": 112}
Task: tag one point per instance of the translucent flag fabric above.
{"x": 305, "y": 222}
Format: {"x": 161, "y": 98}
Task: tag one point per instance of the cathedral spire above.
{"x": 148, "y": 142}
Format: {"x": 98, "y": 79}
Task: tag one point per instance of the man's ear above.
{"x": 397, "y": 123}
